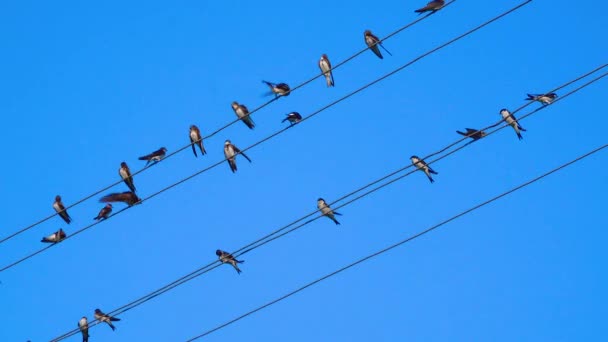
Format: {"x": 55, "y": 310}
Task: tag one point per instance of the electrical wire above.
{"x": 277, "y": 132}
{"x": 217, "y": 130}
{"x": 400, "y": 243}
{"x": 248, "y": 248}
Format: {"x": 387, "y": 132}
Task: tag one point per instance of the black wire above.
{"x": 215, "y": 264}
{"x": 216, "y": 131}
{"x": 281, "y": 130}
{"x": 400, "y": 243}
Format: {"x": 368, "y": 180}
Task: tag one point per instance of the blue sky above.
{"x": 86, "y": 86}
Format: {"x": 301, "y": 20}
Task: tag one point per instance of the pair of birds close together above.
{"x": 230, "y": 150}
{"x": 83, "y": 324}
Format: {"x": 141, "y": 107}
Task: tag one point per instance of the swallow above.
{"x": 196, "y": 138}
{"x": 227, "y": 258}
{"x": 432, "y": 6}
{"x": 243, "y": 113}
{"x": 325, "y": 67}
{"x": 545, "y": 99}
{"x": 83, "y": 325}
{"x": 60, "y": 209}
{"x": 422, "y": 165}
{"x": 104, "y": 212}
{"x": 125, "y": 174}
{"x": 474, "y": 134}
{"x": 293, "y": 118}
{"x": 326, "y": 210}
{"x": 127, "y": 197}
{"x": 55, "y": 237}
{"x": 100, "y": 316}
{"x": 278, "y": 89}
{"x": 155, "y": 156}
{"x": 230, "y": 151}
{"x": 373, "y": 42}
{"x": 512, "y": 121}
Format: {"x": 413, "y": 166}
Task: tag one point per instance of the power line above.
{"x": 279, "y": 131}
{"x": 219, "y": 129}
{"x": 400, "y": 243}
{"x": 264, "y": 240}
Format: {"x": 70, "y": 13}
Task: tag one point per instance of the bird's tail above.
{"x": 431, "y": 179}
{"x": 337, "y": 213}
{"x": 239, "y": 261}
{"x": 462, "y": 133}
{"x": 519, "y": 136}
{"x": 96, "y": 217}
{"x": 433, "y": 171}
{"x": 112, "y": 326}
{"x": 142, "y": 158}
{"x": 530, "y": 97}
{"x": 249, "y": 123}
{"x": 521, "y": 128}
{"x": 114, "y": 319}
{"x": 334, "y": 219}
{"x": 46, "y": 240}
{"x": 287, "y": 118}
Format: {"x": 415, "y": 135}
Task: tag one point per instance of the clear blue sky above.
{"x": 87, "y": 86}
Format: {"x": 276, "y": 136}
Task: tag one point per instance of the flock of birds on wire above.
{"x": 231, "y": 151}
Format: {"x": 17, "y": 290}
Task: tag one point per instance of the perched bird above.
{"x": 100, "y": 316}
{"x": 278, "y": 89}
{"x": 127, "y": 197}
{"x": 227, "y": 258}
{"x": 155, "y": 156}
{"x": 373, "y": 42}
{"x": 55, "y": 237}
{"x": 325, "y": 67}
{"x": 512, "y": 121}
{"x": 60, "y": 209}
{"x": 230, "y": 151}
{"x": 474, "y": 134}
{"x": 293, "y": 118}
{"x": 243, "y": 113}
{"x": 196, "y": 138}
{"x": 545, "y": 99}
{"x": 83, "y": 324}
{"x": 326, "y": 210}
{"x": 104, "y": 212}
{"x": 125, "y": 174}
{"x": 432, "y": 6}
{"x": 422, "y": 165}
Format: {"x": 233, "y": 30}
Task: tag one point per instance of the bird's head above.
{"x": 235, "y": 105}
{"x": 163, "y": 149}
{"x": 504, "y": 110}
{"x": 123, "y": 164}
{"x": 218, "y": 252}
{"x": 227, "y": 142}
{"x": 57, "y": 198}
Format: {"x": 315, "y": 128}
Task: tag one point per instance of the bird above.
{"x": 512, "y": 121}
{"x": 155, "y": 156}
{"x": 326, "y": 210}
{"x": 293, "y": 118}
{"x": 100, "y": 316}
{"x": 104, "y": 212}
{"x": 472, "y": 133}
{"x": 432, "y": 6}
{"x": 83, "y": 325}
{"x": 278, "y": 89}
{"x": 125, "y": 174}
{"x": 373, "y": 42}
{"x": 55, "y": 237}
{"x": 127, "y": 197}
{"x": 422, "y": 165}
{"x": 196, "y": 138}
{"x": 227, "y": 258}
{"x": 230, "y": 151}
{"x": 60, "y": 209}
{"x": 545, "y": 99}
{"x": 325, "y": 67}
{"x": 243, "y": 113}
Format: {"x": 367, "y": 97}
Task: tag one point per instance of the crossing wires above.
{"x": 87, "y": 197}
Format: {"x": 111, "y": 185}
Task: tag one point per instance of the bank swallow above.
{"x": 293, "y": 118}
{"x": 326, "y": 210}
{"x": 60, "y": 209}
{"x": 196, "y": 139}
{"x": 243, "y": 113}
{"x": 373, "y": 42}
{"x": 104, "y": 212}
{"x": 83, "y": 325}
{"x": 422, "y": 165}
{"x": 325, "y": 67}
{"x": 155, "y": 156}
{"x": 545, "y": 99}
{"x": 125, "y": 174}
{"x": 55, "y": 237}
{"x": 230, "y": 152}
{"x": 432, "y": 6}
{"x": 127, "y": 197}
{"x": 474, "y": 134}
{"x": 512, "y": 121}
{"x": 227, "y": 258}
{"x": 100, "y": 316}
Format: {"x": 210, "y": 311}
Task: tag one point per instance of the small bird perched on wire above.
{"x": 196, "y": 139}
{"x": 432, "y": 6}
{"x": 100, "y": 316}
{"x": 155, "y": 156}
{"x": 127, "y": 197}
{"x": 512, "y": 121}
{"x": 60, "y": 209}
{"x": 243, "y": 113}
{"x": 126, "y": 176}
{"x": 545, "y": 99}
{"x": 326, "y": 210}
{"x": 472, "y": 133}
{"x": 293, "y": 118}
{"x": 325, "y": 67}
{"x": 230, "y": 152}
{"x": 278, "y": 89}
{"x": 373, "y": 42}
{"x": 83, "y": 325}
{"x": 227, "y": 258}
{"x": 55, "y": 237}
{"x": 104, "y": 212}
{"x": 423, "y": 166}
